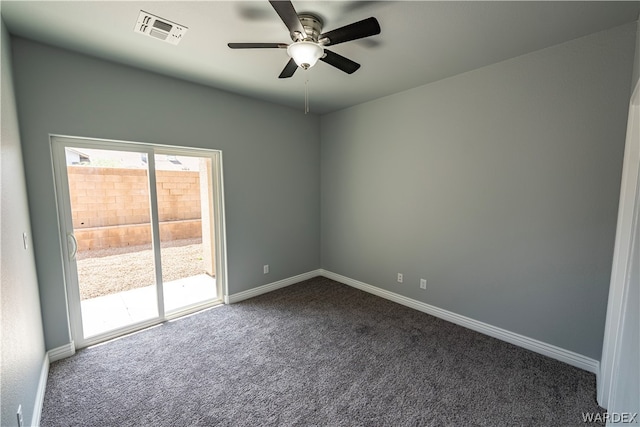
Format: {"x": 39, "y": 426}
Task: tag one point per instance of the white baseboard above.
{"x": 566, "y": 356}
{"x": 240, "y": 296}
{"x": 50, "y": 356}
{"x": 42, "y": 386}
{"x": 61, "y": 352}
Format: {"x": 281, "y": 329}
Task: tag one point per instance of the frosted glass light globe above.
{"x": 305, "y": 54}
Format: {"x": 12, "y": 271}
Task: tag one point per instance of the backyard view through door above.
{"x": 121, "y": 268}
{"x": 186, "y": 230}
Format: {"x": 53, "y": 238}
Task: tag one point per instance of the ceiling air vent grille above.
{"x": 159, "y": 28}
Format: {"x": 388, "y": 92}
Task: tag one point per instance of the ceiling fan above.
{"x": 309, "y": 41}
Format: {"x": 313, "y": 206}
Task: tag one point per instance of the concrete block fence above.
{"x": 110, "y": 206}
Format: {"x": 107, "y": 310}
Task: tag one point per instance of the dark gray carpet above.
{"x": 315, "y": 353}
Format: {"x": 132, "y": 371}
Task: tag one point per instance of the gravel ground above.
{"x": 106, "y": 271}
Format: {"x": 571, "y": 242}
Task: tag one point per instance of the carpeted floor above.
{"x": 316, "y": 353}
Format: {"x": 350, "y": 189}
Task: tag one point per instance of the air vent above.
{"x": 159, "y": 28}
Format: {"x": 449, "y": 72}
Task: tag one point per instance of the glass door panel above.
{"x": 109, "y": 195}
{"x": 185, "y": 212}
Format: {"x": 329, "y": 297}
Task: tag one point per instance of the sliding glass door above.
{"x": 187, "y": 229}
{"x": 110, "y": 238}
{"x": 143, "y": 232}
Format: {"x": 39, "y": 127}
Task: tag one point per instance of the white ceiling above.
{"x": 420, "y": 41}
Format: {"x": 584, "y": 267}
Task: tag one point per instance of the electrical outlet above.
{"x": 265, "y": 269}
{"x": 400, "y": 278}
{"x": 423, "y": 283}
{"x": 19, "y": 415}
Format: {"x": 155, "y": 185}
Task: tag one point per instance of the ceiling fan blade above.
{"x": 257, "y": 45}
{"x": 289, "y": 69}
{"x": 289, "y": 16}
{"x": 340, "y": 62}
{"x": 357, "y": 30}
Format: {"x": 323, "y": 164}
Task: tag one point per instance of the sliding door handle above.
{"x": 72, "y": 244}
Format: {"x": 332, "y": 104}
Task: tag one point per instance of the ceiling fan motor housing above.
{"x": 312, "y": 26}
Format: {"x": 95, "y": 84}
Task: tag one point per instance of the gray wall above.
{"x": 270, "y": 154}
{"x": 22, "y": 347}
{"x": 499, "y": 186}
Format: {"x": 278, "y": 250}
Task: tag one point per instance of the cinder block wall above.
{"x": 111, "y": 206}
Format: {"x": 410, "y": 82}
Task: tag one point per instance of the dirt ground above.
{"x": 105, "y": 271}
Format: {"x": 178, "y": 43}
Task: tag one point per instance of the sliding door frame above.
{"x": 58, "y": 145}
{"x": 607, "y": 380}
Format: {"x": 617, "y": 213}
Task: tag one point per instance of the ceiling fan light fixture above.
{"x": 305, "y": 53}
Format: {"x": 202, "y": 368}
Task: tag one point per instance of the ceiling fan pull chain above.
{"x": 306, "y": 96}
